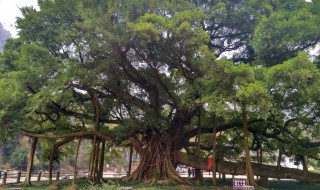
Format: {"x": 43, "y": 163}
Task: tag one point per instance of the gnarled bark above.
{"x": 156, "y": 163}
{"x": 239, "y": 168}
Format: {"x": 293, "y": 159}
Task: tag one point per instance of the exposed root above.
{"x": 156, "y": 164}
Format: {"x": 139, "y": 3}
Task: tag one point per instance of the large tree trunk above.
{"x": 156, "y": 162}
{"x": 27, "y": 180}
{"x": 239, "y": 168}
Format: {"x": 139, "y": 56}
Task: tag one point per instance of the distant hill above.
{"x": 4, "y": 34}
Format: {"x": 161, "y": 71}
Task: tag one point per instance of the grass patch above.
{"x": 290, "y": 184}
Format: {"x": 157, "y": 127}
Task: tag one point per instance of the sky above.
{"x": 9, "y": 10}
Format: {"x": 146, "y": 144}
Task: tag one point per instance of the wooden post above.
{"x": 39, "y": 176}
{"x": 58, "y": 175}
{"x": 4, "y": 182}
{"x": 19, "y": 177}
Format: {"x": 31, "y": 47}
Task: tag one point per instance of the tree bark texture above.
{"x": 27, "y": 180}
{"x": 130, "y": 159}
{"x": 76, "y": 162}
{"x": 156, "y": 162}
{"x": 101, "y": 159}
{"x": 305, "y": 163}
{"x": 50, "y": 166}
{"x": 250, "y": 175}
{"x": 94, "y": 170}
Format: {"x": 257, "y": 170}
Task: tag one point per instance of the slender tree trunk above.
{"x": 27, "y": 180}
{"x": 50, "y": 167}
{"x": 279, "y": 161}
{"x": 75, "y": 173}
{"x": 96, "y": 162}
{"x": 250, "y": 175}
{"x": 305, "y": 163}
{"x": 101, "y": 159}
{"x": 94, "y": 174}
{"x": 261, "y": 155}
{"x": 130, "y": 159}
{"x": 214, "y": 153}
{"x": 198, "y": 173}
{"x": 92, "y": 158}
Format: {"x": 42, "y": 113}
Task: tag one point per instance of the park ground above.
{"x": 116, "y": 184}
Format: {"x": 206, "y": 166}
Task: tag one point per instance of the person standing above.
{"x": 189, "y": 171}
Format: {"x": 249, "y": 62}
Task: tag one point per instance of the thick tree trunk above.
{"x": 250, "y": 175}
{"x": 305, "y": 163}
{"x": 27, "y": 180}
{"x": 156, "y": 162}
{"x": 239, "y": 168}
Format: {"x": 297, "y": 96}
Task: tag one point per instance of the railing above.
{"x": 12, "y": 177}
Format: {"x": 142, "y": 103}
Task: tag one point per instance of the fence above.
{"x": 11, "y": 177}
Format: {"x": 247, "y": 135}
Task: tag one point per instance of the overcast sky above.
{"x": 9, "y": 10}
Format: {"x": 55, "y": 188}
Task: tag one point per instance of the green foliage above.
{"x": 19, "y": 157}
{"x": 286, "y": 31}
